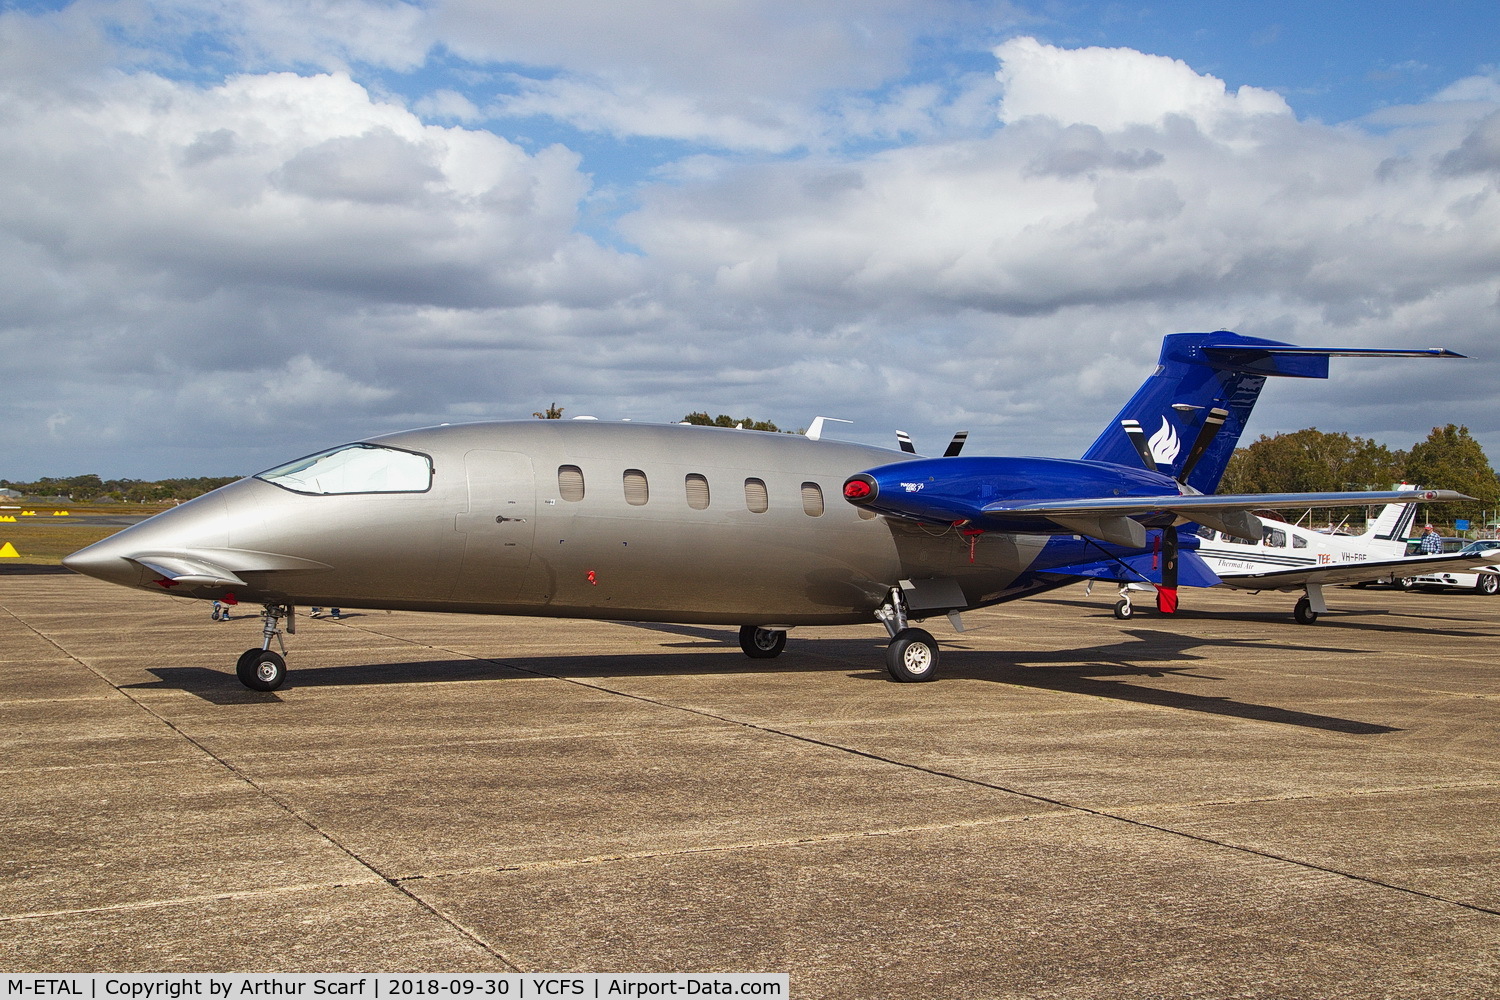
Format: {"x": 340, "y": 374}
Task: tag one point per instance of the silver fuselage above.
{"x": 497, "y": 532}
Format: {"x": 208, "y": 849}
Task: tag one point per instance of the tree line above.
{"x": 87, "y": 488}
{"x": 1312, "y": 461}
{"x": 698, "y": 417}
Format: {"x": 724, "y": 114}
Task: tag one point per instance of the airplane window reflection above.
{"x": 1274, "y": 537}
{"x": 356, "y": 468}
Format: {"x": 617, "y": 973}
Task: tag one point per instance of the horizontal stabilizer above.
{"x": 1303, "y": 362}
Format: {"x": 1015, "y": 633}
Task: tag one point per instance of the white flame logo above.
{"x": 1165, "y": 444}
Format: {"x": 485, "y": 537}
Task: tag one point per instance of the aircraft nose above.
{"x": 198, "y": 522}
{"x": 100, "y": 562}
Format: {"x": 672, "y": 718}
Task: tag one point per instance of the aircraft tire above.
{"x": 1123, "y": 610}
{"x": 1488, "y": 584}
{"x": 1405, "y": 582}
{"x": 762, "y": 643}
{"x": 261, "y": 669}
{"x": 1303, "y": 612}
{"x": 912, "y": 656}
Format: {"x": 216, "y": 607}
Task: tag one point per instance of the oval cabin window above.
{"x": 570, "y": 483}
{"x": 637, "y": 492}
{"x": 812, "y": 499}
{"x": 756, "y": 499}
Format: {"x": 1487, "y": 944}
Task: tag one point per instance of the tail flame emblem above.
{"x": 1165, "y": 444}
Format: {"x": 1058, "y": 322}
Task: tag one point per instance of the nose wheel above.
{"x": 264, "y": 669}
{"x": 261, "y": 669}
{"x": 913, "y": 653}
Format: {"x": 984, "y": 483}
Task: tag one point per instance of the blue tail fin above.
{"x": 1200, "y": 377}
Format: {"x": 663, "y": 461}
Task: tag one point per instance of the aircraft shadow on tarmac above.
{"x": 1367, "y": 619}
{"x": 1111, "y": 671}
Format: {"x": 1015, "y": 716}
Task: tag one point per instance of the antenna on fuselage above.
{"x": 815, "y": 429}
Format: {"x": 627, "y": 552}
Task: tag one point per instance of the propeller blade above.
{"x": 1137, "y": 437}
{"x": 1206, "y": 434}
{"x": 904, "y": 440}
{"x": 1166, "y": 594}
{"x": 956, "y": 445}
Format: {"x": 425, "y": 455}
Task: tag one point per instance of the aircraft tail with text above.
{"x": 1187, "y": 418}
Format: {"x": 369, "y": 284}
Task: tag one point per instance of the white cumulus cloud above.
{"x": 1114, "y": 88}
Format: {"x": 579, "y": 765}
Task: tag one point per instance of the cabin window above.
{"x": 637, "y": 492}
{"x": 865, "y": 514}
{"x": 570, "y": 482}
{"x": 697, "y": 491}
{"x": 355, "y": 468}
{"x": 1205, "y": 532}
{"x": 757, "y": 501}
{"x": 1274, "y": 538}
{"x": 1298, "y": 542}
{"x": 812, "y": 499}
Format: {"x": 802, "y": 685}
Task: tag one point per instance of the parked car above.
{"x": 1485, "y": 580}
{"x": 1413, "y": 548}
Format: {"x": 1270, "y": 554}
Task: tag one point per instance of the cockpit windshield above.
{"x": 354, "y": 468}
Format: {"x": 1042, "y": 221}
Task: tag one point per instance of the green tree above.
{"x": 553, "y": 412}
{"x": 725, "y": 420}
{"x": 1452, "y": 460}
{"x": 1311, "y": 461}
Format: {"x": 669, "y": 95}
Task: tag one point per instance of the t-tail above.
{"x": 1188, "y": 416}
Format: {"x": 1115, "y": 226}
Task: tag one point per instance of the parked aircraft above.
{"x": 695, "y": 525}
{"x": 1291, "y": 557}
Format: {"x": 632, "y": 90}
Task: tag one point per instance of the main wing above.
{"x": 1111, "y": 518}
{"x": 1374, "y": 569}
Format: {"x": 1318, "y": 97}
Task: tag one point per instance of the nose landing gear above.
{"x": 264, "y": 669}
{"x": 913, "y": 653}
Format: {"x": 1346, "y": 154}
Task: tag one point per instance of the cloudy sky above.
{"x": 236, "y": 231}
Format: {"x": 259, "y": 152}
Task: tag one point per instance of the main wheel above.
{"x": 912, "y": 655}
{"x": 761, "y": 643}
{"x": 1123, "y": 609}
{"x": 261, "y": 669}
{"x": 1488, "y": 584}
{"x": 1303, "y": 612}
{"x": 1405, "y": 582}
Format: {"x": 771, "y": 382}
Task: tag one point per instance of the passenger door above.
{"x": 499, "y": 526}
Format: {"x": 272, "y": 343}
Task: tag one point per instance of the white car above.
{"x": 1485, "y": 580}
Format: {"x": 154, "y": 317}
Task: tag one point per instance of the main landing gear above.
{"x": 1310, "y": 605}
{"x": 264, "y": 669}
{"x": 762, "y": 643}
{"x": 911, "y": 656}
